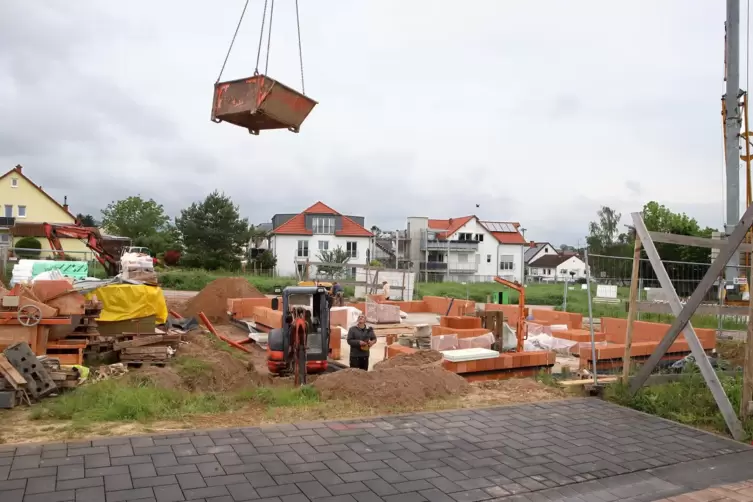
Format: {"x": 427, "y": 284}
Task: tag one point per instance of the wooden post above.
{"x": 631, "y": 309}
{"x": 747, "y": 392}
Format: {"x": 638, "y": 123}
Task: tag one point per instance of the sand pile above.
{"x": 418, "y": 358}
{"x": 399, "y": 386}
{"x": 200, "y": 366}
{"x": 212, "y": 300}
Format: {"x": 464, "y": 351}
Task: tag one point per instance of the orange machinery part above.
{"x": 225, "y": 339}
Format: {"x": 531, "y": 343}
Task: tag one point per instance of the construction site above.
{"x": 117, "y": 389}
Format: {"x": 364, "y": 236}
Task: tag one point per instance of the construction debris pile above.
{"x": 24, "y": 378}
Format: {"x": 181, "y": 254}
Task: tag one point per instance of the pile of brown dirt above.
{"x": 511, "y": 390}
{"x": 399, "y": 386}
{"x": 212, "y": 300}
{"x": 201, "y": 366}
{"x": 418, "y": 358}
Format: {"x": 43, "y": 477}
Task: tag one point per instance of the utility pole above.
{"x": 732, "y": 125}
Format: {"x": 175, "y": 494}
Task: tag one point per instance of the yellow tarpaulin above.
{"x": 121, "y": 302}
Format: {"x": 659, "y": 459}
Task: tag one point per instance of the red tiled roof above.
{"x": 450, "y": 226}
{"x": 297, "y": 224}
{"x": 352, "y": 229}
{"x": 320, "y": 208}
{"x": 509, "y": 237}
{"x": 294, "y": 226}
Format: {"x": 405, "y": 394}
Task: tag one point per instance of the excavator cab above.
{"x": 304, "y": 333}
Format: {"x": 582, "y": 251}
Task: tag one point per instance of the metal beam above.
{"x": 701, "y": 242}
{"x": 732, "y": 125}
{"x": 683, "y": 315}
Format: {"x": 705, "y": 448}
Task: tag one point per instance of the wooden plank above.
{"x": 701, "y": 242}
{"x": 10, "y": 373}
{"x": 704, "y": 309}
{"x": 747, "y": 391}
{"x": 683, "y": 313}
{"x": 631, "y": 308}
{"x": 388, "y": 325}
{"x": 146, "y": 350}
{"x": 139, "y": 341}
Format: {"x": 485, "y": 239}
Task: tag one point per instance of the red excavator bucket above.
{"x": 260, "y": 103}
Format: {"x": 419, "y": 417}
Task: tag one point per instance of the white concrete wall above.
{"x": 285, "y": 248}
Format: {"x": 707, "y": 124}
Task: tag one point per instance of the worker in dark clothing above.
{"x": 360, "y": 338}
{"x": 337, "y": 294}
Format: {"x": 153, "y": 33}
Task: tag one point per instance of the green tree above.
{"x": 86, "y": 220}
{"x": 659, "y": 218}
{"x": 31, "y": 244}
{"x": 143, "y": 221}
{"x": 214, "y": 234}
{"x": 334, "y": 261}
{"x": 604, "y": 236}
{"x": 265, "y": 261}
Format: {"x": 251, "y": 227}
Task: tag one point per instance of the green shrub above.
{"x": 28, "y": 243}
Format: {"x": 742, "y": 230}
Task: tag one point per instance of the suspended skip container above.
{"x": 259, "y": 103}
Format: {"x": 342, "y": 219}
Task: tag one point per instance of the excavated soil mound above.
{"x": 199, "y": 366}
{"x": 212, "y": 300}
{"x": 400, "y": 386}
{"x": 419, "y": 358}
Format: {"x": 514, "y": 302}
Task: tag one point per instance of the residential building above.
{"x": 298, "y": 239}
{"x": 465, "y": 249}
{"x": 556, "y": 268}
{"x": 25, "y": 205}
{"x": 538, "y": 249}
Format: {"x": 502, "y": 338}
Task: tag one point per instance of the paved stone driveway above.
{"x": 566, "y": 450}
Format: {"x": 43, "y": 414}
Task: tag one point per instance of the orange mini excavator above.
{"x": 301, "y": 345}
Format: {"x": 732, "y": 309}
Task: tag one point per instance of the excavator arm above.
{"x": 520, "y": 329}
{"x": 90, "y": 238}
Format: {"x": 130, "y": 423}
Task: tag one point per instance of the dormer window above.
{"x": 323, "y": 225}
{"x": 14, "y": 182}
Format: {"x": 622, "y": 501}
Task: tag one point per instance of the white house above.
{"x": 556, "y": 268}
{"x": 297, "y": 239}
{"x": 538, "y": 249}
{"x": 466, "y": 249}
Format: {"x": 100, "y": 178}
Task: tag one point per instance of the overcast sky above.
{"x": 539, "y": 111}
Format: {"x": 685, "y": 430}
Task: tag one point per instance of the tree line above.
{"x": 209, "y": 234}
{"x": 607, "y": 237}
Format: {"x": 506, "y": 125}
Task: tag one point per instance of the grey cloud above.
{"x": 417, "y": 116}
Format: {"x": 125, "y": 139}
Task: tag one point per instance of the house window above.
{"x": 323, "y": 225}
{"x": 8, "y": 211}
{"x": 4, "y": 239}
{"x": 22, "y": 211}
{"x": 480, "y": 237}
{"x": 353, "y": 272}
{"x": 507, "y": 262}
{"x": 352, "y": 248}
{"x": 323, "y": 245}
{"x": 488, "y": 258}
{"x": 563, "y": 271}
{"x": 14, "y": 182}
{"x": 465, "y": 237}
{"x": 303, "y": 249}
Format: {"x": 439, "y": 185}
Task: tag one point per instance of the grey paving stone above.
{"x": 64, "y": 496}
{"x": 118, "y": 482}
{"x": 75, "y": 484}
{"x": 242, "y": 491}
{"x": 142, "y": 470}
{"x": 313, "y": 489}
{"x": 90, "y": 494}
{"x": 168, "y": 493}
{"x": 155, "y": 481}
{"x": 41, "y": 485}
{"x": 12, "y": 495}
{"x": 192, "y": 480}
{"x": 278, "y": 490}
{"x": 203, "y": 493}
